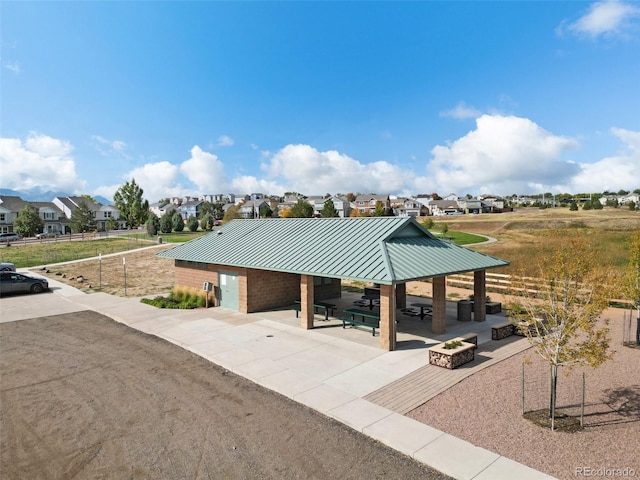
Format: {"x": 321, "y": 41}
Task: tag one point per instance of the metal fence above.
{"x": 630, "y": 329}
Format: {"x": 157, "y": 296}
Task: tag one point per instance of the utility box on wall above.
{"x": 207, "y": 286}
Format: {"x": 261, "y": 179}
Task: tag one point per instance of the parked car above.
{"x": 9, "y": 237}
{"x": 47, "y": 235}
{"x": 7, "y": 267}
{"x": 12, "y": 282}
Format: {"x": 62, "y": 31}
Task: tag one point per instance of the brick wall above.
{"x": 258, "y": 289}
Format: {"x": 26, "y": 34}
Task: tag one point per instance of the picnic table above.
{"x": 369, "y": 319}
{"x": 425, "y": 309}
{"x": 328, "y": 308}
{"x": 374, "y": 300}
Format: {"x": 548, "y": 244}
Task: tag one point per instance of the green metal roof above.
{"x": 382, "y": 250}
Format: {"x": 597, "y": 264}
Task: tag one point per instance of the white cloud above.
{"x": 461, "y": 112}
{"x": 39, "y": 161}
{"x": 108, "y": 147}
{"x": 157, "y": 180}
{"x": 205, "y": 171}
{"x": 607, "y": 18}
{"x": 617, "y": 172}
{"x": 225, "y": 141}
{"x": 13, "y": 67}
{"x": 503, "y": 154}
{"x": 302, "y": 168}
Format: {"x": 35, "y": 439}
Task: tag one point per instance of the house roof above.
{"x": 384, "y": 250}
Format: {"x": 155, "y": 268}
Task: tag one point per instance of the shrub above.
{"x": 180, "y": 297}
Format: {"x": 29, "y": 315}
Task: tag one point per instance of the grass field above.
{"x": 523, "y": 235}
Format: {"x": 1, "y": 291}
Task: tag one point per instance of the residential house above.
{"x": 251, "y": 208}
{"x": 341, "y": 204}
{"x": 444, "y": 207}
{"x": 407, "y": 207}
{"x": 470, "y": 205}
{"x": 366, "y": 204}
{"x": 53, "y": 217}
{"x": 190, "y": 206}
{"x": 101, "y": 213}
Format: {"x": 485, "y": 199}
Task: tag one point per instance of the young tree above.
{"x": 231, "y": 213}
{"x": 444, "y": 229}
{"x": 166, "y": 222}
{"x": 562, "y": 318}
{"x": 192, "y": 223}
{"x": 329, "y": 209}
{"x": 153, "y": 224}
{"x": 111, "y": 224}
{"x": 284, "y": 212}
{"x": 128, "y": 200}
{"x": 428, "y": 223}
{"x": 631, "y": 284}
{"x": 177, "y": 222}
{"x": 379, "y": 211}
{"x": 573, "y": 207}
{"x": 82, "y": 219}
{"x": 28, "y": 222}
{"x": 632, "y": 205}
{"x": 302, "y": 209}
{"x": 206, "y": 222}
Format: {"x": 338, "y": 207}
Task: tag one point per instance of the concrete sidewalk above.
{"x": 323, "y": 368}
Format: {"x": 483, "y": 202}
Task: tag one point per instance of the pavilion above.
{"x": 262, "y": 264}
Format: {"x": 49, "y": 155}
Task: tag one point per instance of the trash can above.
{"x": 159, "y": 239}
{"x": 464, "y": 310}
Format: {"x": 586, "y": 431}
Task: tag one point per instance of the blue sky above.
{"x": 320, "y": 97}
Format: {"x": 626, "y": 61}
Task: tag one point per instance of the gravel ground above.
{"x": 86, "y": 397}
{"x": 490, "y": 406}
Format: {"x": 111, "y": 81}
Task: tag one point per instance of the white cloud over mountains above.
{"x": 39, "y": 161}
{"x": 501, "y": 155}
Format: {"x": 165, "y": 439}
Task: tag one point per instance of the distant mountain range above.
{"x": 37, "y": 194}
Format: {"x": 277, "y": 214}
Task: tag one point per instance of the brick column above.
{"x": 401, "y": 295}
{"x": 387, "y": 317}
{"x": 439, "y": 317}
{"x": 479, "y": 296}
{"x": 306, "y": 301}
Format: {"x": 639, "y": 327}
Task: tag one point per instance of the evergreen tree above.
{"x": 573, "y": 207}
{"x": 329, "y": 210}
{"x": 128, "y": 200}
{"x": 302, "y": 209}
{"x": 166, "y": 222}
{"x": 153, "y": 224}
{"x": 28, "y": 222}
{"x": 177, "y": 222}
{"x": 82, "y": 219}
{"x": 379, "y": 211}
{"x": 265, "y": 211}
{"x": 192, "y": 223}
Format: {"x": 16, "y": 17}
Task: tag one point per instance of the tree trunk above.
{"x": 552, "y": 396}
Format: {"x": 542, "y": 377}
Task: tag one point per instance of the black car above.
{"x": 12, "y": 282}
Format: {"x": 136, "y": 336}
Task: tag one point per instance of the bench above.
{"x": 502, "y": 330}
{"x": 328, "y": 308}
{"x": 469, "y": 338}
{"x": 364, "y": 323}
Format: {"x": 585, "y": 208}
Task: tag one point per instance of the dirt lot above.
{"x": 85, "y": 397}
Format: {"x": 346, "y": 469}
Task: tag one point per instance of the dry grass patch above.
{"x": 146, "y": 274}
